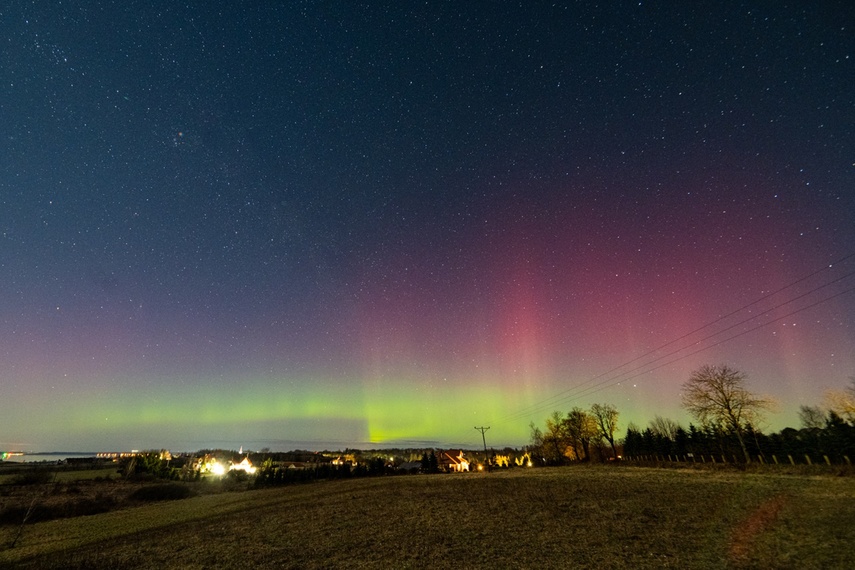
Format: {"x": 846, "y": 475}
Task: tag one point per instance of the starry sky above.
{"x": 317, "y": 225}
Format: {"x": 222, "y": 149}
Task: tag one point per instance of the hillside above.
{"x": 581, "y": 517}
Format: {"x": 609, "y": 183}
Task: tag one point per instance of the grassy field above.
{"x": 9, "y": 471}
{"x": 67, "y": 475}
{"x": 575, "y": 517}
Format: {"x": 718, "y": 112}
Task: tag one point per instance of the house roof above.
{"x": 447, "y": 459}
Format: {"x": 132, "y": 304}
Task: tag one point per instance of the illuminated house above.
{"x": 245, "y": 466}
{"x": 348, "y": 459}
{"x": 457, "y": 464}
{"x": 209, "y": 464}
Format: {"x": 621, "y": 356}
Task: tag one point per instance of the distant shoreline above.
{"x": 27, "y": 457}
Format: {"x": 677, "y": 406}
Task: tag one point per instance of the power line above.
{"x": 571, "y": 392}
{"x": 603, "y": 387}
{"x": 708, "y": 337}
{"x": 707, "y": 325}
{"x": 616, "y": 380}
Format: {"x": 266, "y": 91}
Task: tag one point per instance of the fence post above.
{"x": 723, "y": 460}
{"x": 827, "y": 460}
{"x": 792, "y": 461}
{"x": 846, "y": 457}
{"x": 807, "y": 458}
{"x": 775, "y": 459}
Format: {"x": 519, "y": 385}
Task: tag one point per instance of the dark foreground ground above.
{"x": 574, "y": 517}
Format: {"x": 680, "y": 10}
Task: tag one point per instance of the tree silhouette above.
{"x": 716, "y": 396}
{"x": 665, "y": 427}
{"x": 581, "y": 429}
{"x": 842, "y": 402}
{"x": 606, "y": 416}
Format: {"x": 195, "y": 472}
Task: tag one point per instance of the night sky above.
{"x": 329, "y": 224}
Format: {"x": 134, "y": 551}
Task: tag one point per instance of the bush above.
{"x": 38, "y": 512}
{"x": 33, "y": 477}
{"x": 85, "y": 507}
{"x": 161, "y": 492}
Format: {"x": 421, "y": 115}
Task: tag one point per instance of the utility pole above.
{"x": 484, "y": 439}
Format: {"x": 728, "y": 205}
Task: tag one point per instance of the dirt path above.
{"x": 757, "y": 522}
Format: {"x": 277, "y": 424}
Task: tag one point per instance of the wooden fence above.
{"x": 805, "y": 459}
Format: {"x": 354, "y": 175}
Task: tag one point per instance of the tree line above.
{"x": 582, "y": 435}
{"x": 727, "y": 415}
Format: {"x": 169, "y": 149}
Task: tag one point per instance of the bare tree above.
{"x": 842, "y": 402}
{"x": 716, "y": 395}
{"x": 666, "y": 427}
{"x": 537, "y": 447}
{"x": 606, "y": 416}
{"x": 555, "y": 438}
{"x": 580, "y": 429}
{"x": 812, "y": 417}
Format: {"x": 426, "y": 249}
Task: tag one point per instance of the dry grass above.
{"x": 587, "y": 517}
{"x": 60, "y": 475}
{"x": 87, "y": 474}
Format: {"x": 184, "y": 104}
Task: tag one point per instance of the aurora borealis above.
{"x": 331, "y": 224}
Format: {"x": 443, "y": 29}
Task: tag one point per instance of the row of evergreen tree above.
{"x": 835, "y": 440}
